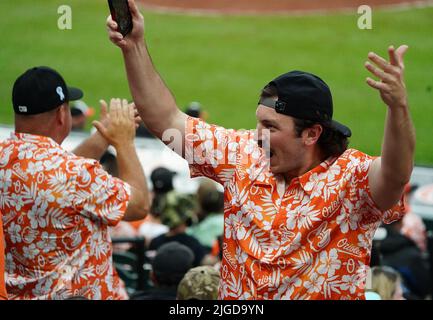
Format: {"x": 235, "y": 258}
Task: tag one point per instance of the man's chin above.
{"x": 273, "y": 168}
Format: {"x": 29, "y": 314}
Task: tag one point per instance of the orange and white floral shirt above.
{"x": 308, "y": 240}
{"x": 56, "y": 211}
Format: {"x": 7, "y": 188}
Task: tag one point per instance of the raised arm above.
{"x": 155, "y": 103}
{"x": 392, "y": 171}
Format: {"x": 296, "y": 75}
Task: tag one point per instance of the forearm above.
{"x": 154, "y": 101}
{"x": 93, "y": 147}
{"x": 398, "y": 146}
{"x": 130, "y": 169}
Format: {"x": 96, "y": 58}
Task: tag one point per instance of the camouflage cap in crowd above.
{"x": 174, "y": 209}
{"x": 200, "y": 283}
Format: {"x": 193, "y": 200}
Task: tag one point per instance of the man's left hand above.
{"x": 391, "y": 85}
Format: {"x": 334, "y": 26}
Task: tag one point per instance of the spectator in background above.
{"x": 387, "y": 283}
{"x": 80, "y": 113}
{"x": 162, "y": 182}
{"x": 413, "y": 227}
{"x": 200, "y": 283}
{"x": 57, "y": 205}
{"x": 194, "y": 109}
{"x": 210, "y": 215}
{"x": 109, "y": 162}
{"x": 176, "y": 212}
{"x": 402, "y": 254}
{"x": 171, "y": 262}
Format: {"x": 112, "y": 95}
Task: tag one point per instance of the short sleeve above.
{"x": 367, "y": 206}
{"x": 98, "y": 195}
{"x": 215, "y": 152}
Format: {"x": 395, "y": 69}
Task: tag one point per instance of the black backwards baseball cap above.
{"x": 41, "y": 89}
{"x": 162, "y": 179}
{"x": 304, "y": 96}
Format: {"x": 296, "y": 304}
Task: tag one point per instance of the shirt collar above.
{"x": 321, "y": 168}
{"x": 32, "y": 138}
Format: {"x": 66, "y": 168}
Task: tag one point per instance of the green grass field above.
{"x": 223, "y": 62}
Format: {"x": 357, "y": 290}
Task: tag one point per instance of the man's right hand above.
{"x": 135, "y": 36}
{"x": 120, "y": 130}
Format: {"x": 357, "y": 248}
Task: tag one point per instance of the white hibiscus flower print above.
{"x": 350, "y": 282}
{"x": 333, "y": 171}
{"x": 37, "y": 216}
{"x": 315, "y": 184}
{"x": 25, "y": 151}
{"x": 30, "y": 252}
{"x": 204, "y": 131}
{"x": 47, "y": 242}
{"x": 314, "y": 284}
{"x": 251, "y": 148}
{"x": 363, "y": 241}
{"x": 287, "y": 287}
{"x": 44, "y": 197}
{"x": 329, "y": 262}
{"x": 347, "y": 218}
{"x": 232, "y": 152}
{"x": 236, "y": 226}
{"x": 35, "y": 167}
{"x": 252, "y": 209}
{"x": 241, "y": 256}
{"x": 10, "y": 265}
{"x": 14, "y": 231}
{"x": 303, "y": 217}
{"x": 5, "y": 179}
{"x": 17, "y": 201}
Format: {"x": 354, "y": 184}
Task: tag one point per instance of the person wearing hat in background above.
{"x": 199, "y": 283}
{"x": 171, "y": 262}
{"x": 195, "y": 109}
{"x": 300, "y": 208}
{"x": 210, "y": 215}
{"x": 57, "y": 205}
{"x": 176, "y": 211}
{"x": 80, "y": 112}
{"x": 162, "y": 182}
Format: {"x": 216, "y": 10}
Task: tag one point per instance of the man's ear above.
{"x": 61, "y": 114}
{"x": 311, "y": 135}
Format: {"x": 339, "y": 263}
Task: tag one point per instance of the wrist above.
{"x": 134, "y": 48}
{"x": 124, "y": 146}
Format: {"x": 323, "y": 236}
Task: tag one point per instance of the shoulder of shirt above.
{"x": 351, "y": 154}
{"x": 242, "y": 132}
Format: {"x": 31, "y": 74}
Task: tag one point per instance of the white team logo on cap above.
{"x": 59, "y": 91}
{"x": 22, "y": 108}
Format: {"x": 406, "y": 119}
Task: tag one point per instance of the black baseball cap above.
{"x": 305, "y": 96}
{"x": 162, "y": 179}
{"x": 41, "y": 89}
{"x": 173, "y": 259}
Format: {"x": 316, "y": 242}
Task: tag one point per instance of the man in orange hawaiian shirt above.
{"x": 300, "y": 208}
{"x": 56, "y": 205}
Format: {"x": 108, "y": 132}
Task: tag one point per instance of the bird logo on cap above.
{"x": 59, "y": 91}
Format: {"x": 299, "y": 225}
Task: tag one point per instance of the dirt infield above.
{"x": 267, "y": 6}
